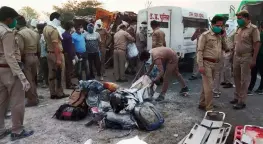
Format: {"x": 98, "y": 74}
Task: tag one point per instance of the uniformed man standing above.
{"x": 121, "y": 39}
{"x": 55, "y": 56}
{"x": 13, "y": 82}
{"x": 158, "y": 36}
{"x": 30, "y": 50}
{"x": 247, "y": 43}
{"x": 209, "y": 52}
{"x": 103, "y": 36}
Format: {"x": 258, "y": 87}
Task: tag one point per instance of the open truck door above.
{"x": 164, "y": 17}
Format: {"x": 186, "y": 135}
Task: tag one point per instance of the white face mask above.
{"x": 57, "y": 22}
{"x": 72, "y": 30}
{"x": 81, "y": 30}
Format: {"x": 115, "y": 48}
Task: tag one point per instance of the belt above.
{"x": 50, "y": 52}
{"x": 210, "y": 60}
{"x": 31, "y": 54}
{"x": 4, "y": 65}
{"x": 243, "y": 55}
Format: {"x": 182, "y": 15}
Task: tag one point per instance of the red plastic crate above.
{"x": 238, "y": 132}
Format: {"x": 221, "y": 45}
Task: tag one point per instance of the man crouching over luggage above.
{"x": 167, "y": 64}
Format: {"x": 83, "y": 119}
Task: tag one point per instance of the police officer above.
{"x": 30, "y": 49}
{"x": 55, "y": 56}
{"x": 247, "y": 43}
{"x": 158, "y": 36}
{"x": 13, "y": 82}
{"x": 210, "y": 46}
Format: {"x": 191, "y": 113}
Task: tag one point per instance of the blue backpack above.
{"x": 147, "y": 117}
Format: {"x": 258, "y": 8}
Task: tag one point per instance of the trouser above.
{"x": 218, "y": 74}
{"x": 206, "y": 98}
{"x": 254, "y": 72}
{"x": 82, "y": 65}
{"x": 11, "y": 95}
{"x": 94, "y": 59}
{"x": 242, "y": 76}
{"x": 43, "y": 70}
{"x": 196, "y": 68}
{"x": 54, "y": 87}
{"x": 30, "y": 70}
{"x": 132, "y": 64}
{"x": 119, "y": 64}
{"x": 102, "y": 59}
{"x": 63, "y": 68}
{"x": 172, "y": 68}
{"x": 69, "y": 70}
{"x": 227, "y": 69}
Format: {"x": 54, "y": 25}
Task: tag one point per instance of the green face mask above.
{"x": 241, "y": 22}
{"x": 216, "y": 29}
{"x": 13, "y": 24}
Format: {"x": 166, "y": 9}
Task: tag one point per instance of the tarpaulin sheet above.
{"x": 105, "y": 16}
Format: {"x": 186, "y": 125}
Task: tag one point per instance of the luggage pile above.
{"x": 112, "y": 106}
{"x": 212, "y": 130}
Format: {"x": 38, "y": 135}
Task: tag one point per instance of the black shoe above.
{"x": 223, "y": 83}
{"x": 235, "y": 101}
{"x": 249, "y": 93}
{"x": 53, "y": 97}
{"x": 228, "y": 85}
{"x": 193, "y": 78}
{"x": 160, "y": 98}
{"x": 23, "y": 134}
{"x": 6, "y": 133}
{"x": 201, "y": 107}
{"x": 259, "y": 91}
{"x": 184, "y": 90}
{"x": 239, "y": 106}
{"x": 63, "y": 96}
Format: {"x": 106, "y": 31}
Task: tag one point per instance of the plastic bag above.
{"x": 132, "y": 50}
{"x": 134, "y": 140}
{"x": 119, "y": 121}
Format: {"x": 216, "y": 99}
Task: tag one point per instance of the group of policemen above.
{"x": 241, "y": 47}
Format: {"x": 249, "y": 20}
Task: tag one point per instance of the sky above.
{"x": 210, "y": 6}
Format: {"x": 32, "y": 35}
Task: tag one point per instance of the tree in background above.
{"x": 77, "y": 7}
{"x": 29, "y": 13}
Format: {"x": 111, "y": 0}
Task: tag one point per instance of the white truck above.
{"x": 178, "y": 24}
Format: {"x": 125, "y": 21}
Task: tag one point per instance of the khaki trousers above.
{"x": 30, "y": 70}
{"x": 196, "y": 68}
{"x": 217, "y": 75}
{"x": 52, "y": 67}
{"x": 242, "y": 76}
{"x": 227, "y": 69}
{"x": 11, "y": 95}
{"x": 119, "y": 64}
{"x": 172, "y": 68}
{"x": 206, "y": 98}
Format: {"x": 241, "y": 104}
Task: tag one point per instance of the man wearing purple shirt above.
{"x": 70, "y": 54}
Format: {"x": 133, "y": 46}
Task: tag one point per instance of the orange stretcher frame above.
{"x": 106, "y": 17}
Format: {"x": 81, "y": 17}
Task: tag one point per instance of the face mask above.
{"x": 241, "y": 22}
{"x": 13, "y": 24}
{"x": 72, "y": 30}
{"x": 216, "y": 29}
{"x": 81, "y": 30}
{"x": 90, "y": 30}
{"x": 57, "y": 22}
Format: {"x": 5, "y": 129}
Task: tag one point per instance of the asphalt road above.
{"x": 180, "y": 114}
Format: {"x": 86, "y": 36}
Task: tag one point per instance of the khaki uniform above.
{"x": 168, "y": 64}
{"x": 158, "y": 38}
{"x": 103, "y": 35}
{"x": 209, "y": 53}
{"x": 28, "y": 41}
{"x": 227, "y": 59}
{"x": 121, "y": 39}
{"x": 51, "y": 35}
{"x": 244, "y": 40}
{"x": 11, "y": 75}
{"x": 218, "y": 73}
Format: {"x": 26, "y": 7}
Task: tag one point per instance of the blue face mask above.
{"x": 90, "y": 30}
